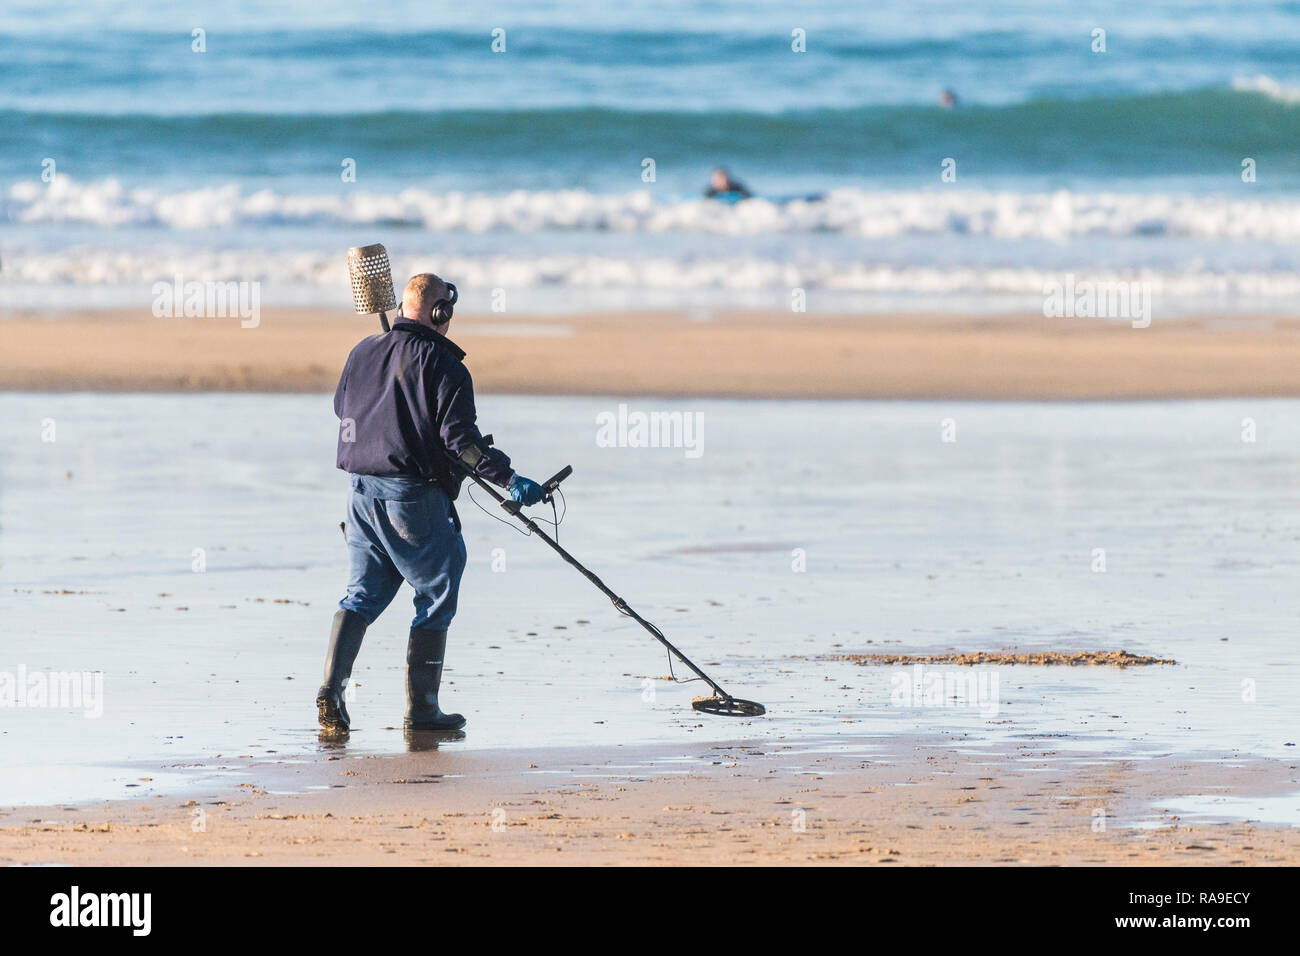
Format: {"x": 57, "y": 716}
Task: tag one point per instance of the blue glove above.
{"x": 525, "y": 491}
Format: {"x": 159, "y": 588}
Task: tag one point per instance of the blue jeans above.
{"x": 403, "y": 528}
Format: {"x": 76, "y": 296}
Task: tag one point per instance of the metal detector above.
{"x": 721, "y": 703}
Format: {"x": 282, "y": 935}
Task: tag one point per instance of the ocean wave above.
{"x": 1268, "y": 86}
{"x": 478, "y": 276}
{"x": 1196, "y": 132}
{"x": 845, "y": 212}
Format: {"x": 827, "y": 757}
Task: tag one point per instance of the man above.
{"x": 406, "y": 405}
{"x": 722, "y": 186}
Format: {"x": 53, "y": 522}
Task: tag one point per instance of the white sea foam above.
{"x": 1268, "y": 86}
{"x": 278, "y": 271}
{"x": 846, "y": 212}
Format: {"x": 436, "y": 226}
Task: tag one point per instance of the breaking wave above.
{"x": 846, "y": 212}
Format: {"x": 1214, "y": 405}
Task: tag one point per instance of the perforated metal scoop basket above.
{"x": 372, "y": 281}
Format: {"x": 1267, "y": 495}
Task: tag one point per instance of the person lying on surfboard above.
{"x": 725, "y": 189}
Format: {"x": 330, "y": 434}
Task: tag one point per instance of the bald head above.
{"x": 422, "y": 293}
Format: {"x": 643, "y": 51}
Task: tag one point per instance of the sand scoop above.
{"x": 720, "y": 703}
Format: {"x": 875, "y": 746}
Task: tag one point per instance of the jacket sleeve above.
{"x": 342, "y": 386}
{"x": 459, "y": 431}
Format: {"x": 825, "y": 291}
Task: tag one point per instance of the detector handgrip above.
{"x": 553, "y": 482}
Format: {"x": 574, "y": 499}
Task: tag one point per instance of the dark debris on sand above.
{"x": 1033, "y": 658}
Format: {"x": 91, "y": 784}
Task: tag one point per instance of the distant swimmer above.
{"x": 724, "y": 188}
{"x": 947, "y": 99}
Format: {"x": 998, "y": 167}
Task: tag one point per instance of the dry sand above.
{"x": 715, "y": 354}
{"x": 921, "y": 802}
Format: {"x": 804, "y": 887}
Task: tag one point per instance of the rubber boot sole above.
{"x": 410, "y": 724}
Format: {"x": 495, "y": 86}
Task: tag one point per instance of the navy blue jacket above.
{"x": 410, "y": 400}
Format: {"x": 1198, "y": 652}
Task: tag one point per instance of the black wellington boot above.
{"x": 345, "y": 641}
{"x": 424, "y": 653}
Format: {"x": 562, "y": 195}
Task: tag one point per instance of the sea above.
{"x": 552, "y": 157}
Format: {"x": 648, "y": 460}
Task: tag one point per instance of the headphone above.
{"x": 443, "y": 308}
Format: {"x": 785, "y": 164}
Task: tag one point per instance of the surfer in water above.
{"x": 724, "y": 188}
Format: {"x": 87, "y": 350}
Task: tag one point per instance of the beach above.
{"x": 933, "y": 382}
{"x": 703, "y": 353}
{"x": 907, "y": 802}
{"x": 185, "y": 549}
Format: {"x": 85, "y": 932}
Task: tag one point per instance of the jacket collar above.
{"x": 417, "y": 328}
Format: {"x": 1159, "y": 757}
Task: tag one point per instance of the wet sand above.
{"x": 915, "y": 546}
{"x": 887, "y": 540}
{"x": 672, "y": 354}
{"x": 1006, "y": 657}
{"x": 923, "y": 802}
